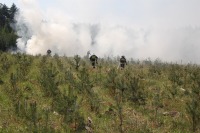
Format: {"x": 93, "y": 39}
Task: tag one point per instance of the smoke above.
{"x": 53, "y": 29}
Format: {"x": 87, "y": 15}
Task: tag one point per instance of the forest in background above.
{"x": 8, "y": 35}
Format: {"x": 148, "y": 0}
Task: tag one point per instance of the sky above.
{"x": 165, "y": 29}
{"x": 171, "y": 13}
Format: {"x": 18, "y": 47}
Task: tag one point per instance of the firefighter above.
{"x": 122, "y": 62}
{"x": 48, "y": 52}
{"x": 93, "y": 59}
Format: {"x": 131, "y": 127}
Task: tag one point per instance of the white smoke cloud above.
{"x": 56, "y": 30}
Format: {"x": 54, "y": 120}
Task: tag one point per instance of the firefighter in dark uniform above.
{"x": 48, "y": 52}
{"x": 122, "y": 62}
{"x": 93, "y": 59}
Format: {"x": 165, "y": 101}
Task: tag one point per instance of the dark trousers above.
{"x": 93, "y": 64}
{"x": 122, "y": 65}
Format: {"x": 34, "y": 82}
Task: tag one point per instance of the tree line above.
{"x": 8, "y": 36}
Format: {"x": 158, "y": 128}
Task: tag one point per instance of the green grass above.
{"x": 48, "y": 94}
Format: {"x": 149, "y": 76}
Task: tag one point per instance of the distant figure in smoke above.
{"x": 122, "y": 62}
{"x": 93, "y": 59}
{"x": 48, "y": 52}
{"x": 88, "y": 54}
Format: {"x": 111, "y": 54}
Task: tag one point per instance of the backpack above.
{"x": 93, "y": 58}
{"x": 122, "y": 60}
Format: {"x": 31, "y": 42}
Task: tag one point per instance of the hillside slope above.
{"x": 51, "y": 94}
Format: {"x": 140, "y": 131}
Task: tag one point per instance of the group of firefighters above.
{"x": 94, "y": 60}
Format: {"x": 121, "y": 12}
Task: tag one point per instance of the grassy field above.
{"x": 55, "y": 94}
